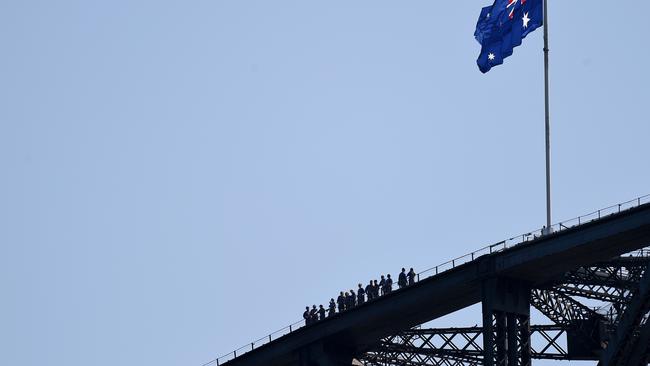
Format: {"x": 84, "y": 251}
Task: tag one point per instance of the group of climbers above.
{"x": 350, "y": 299}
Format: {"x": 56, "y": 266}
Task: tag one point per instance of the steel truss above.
{"x": 619, "y": 336}
{"x": 611, "y": 281}
{"x": 629, "y": 342}
{"x": 455, "y": 346}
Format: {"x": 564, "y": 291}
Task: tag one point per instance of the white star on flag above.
{"x": 526, "y": 19}
{"x": 491, "y": 57}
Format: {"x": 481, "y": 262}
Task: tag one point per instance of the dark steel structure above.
{"x": 578, "y": 333}
{"x": 562, "y": 275}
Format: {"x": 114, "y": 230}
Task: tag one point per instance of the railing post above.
{"x": 418, "y": 277}
{"x": 472, "y": 255}
{"x": 252, "y": 346}
{"x": 598, "y": 213}
{"x": 436, "y": 269}
{"x": 578, "y": 220}
{"x": 453, "y": 263}
{"x": 619, "y": 208}
{"x": 234, "y": 353}
{"x": 269, "y": 338}
{"x": 217, "y": 362}
{"x": 290, "y": 328}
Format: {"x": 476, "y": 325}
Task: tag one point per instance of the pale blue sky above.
{"x": 182, "y": 177}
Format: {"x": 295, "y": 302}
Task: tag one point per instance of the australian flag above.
{"x": 502, "y": 26}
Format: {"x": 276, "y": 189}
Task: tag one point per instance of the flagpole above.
{"x": 548, "y": 124}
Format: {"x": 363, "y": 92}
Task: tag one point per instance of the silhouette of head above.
{"x": 403, "y": 270}
{"x": 388, "y": 276}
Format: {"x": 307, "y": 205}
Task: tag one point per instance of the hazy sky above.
{"x": 179, "y": 178}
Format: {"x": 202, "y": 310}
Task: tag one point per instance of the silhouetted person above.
{"x": 382, "y": 285}
{"x": 370, "y": 291}
{"x": 401, "y": 280}
{"x": 353, "y": 299}
{"x": 347, "y": 301}
{"x": 361, "y": 295}
{"x": 313, "y": 314}
{"x": 389, "y": 285}
{"x": 332, "y": 310}
{"x": 341, "y": 302}
{"x": 411, "y": 276}
{"x": 305, "y": 316}
{"x": 321, "y": 313}
{"x": 375, "y": 290}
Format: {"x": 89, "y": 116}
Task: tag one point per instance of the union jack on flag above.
{"x": 512, "y": 5}
{"x": 502, "y": 27}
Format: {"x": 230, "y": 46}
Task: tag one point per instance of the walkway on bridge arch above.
{"x": 534, "y": 264}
